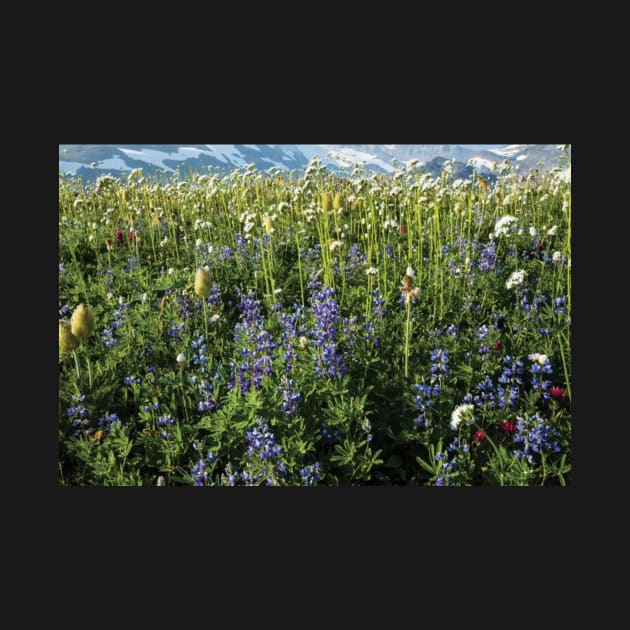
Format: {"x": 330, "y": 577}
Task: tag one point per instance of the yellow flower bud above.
{"x": 356, "y": 205}
{"x": 67, "y": 341}
{"x": 202, "y": 282}
{"x": 98, "y": 436}
{"x": 326, "y": 201}
{"x": 337, "y": 201}
{"x": 82, "y": 321}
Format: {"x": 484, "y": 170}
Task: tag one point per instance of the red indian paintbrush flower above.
{"x": 119, "y": 237}
{"x": 508, "y": 426}
{"x": 498, "y": 344}
{"x": 479, "y": 436}
{"x": 557, "y": 392}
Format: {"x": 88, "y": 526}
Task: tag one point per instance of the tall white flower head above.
{"x": 463, "y": 413}
{"x": 410, "y": 272}
{"x": 503, "y": 225}
{"x": 181, "y": 358}
{"x": 516, "y": 279}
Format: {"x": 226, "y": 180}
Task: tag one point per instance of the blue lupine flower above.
{"x": 536, "y": 436}
{"x": 108, "y": 420}
{"x": 328, "y": 359}
{"x": 290, "y": 397}
{"x": 310, "y": 474}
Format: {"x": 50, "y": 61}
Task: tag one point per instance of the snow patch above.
{"x": 151, "y": 156}
{"x": 510, "y": 150}
{"x": 226, "y": 153}
{"x": 344, "y": 156}
{"x": 280, "y": 165}
{"x": 482, "y": 163}
{"x": 347, "y": 157}
{"x": 115, "y": 164}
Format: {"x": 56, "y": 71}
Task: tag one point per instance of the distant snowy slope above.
{"x": 91, "y": 160}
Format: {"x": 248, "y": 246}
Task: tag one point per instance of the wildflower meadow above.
{"x": 315, "y": 328}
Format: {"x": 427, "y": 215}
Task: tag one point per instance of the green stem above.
{"x": 299, "y": 262}
{"x": 76, "y": 365}
{"x": 205, "y": 316}
{"x": 407, "y": 335}
{"x": 89, "y": 367}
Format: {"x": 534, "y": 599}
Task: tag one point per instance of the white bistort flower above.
{"x": 502, "y": 226}
{"x": 516, "y": 279}
{"x": 463, "y": 413}
{"x": 539, "y": 358}
{"x": 410, "y": 272}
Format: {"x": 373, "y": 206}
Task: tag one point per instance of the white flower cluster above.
{"x": 539, "y": 358}
{"x": 199, "y": 224}
{"x": 390, "y": 224}
{"x": 516, "y": 279}
{"x": 463, "y": 413}
{"x": 247, "y": 219}
{"x": 503, "y": 225}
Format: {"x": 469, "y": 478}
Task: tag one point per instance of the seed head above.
{"x": 82, "y": 321}
{"x": 202, "y": 282}
{"x": 67, "y": 341}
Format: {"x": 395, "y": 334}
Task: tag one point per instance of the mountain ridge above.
{"x": 89, "y": 161}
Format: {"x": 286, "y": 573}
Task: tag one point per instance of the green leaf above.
{"x": 393, "y": 461}
{"x": 424, "y": 465}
